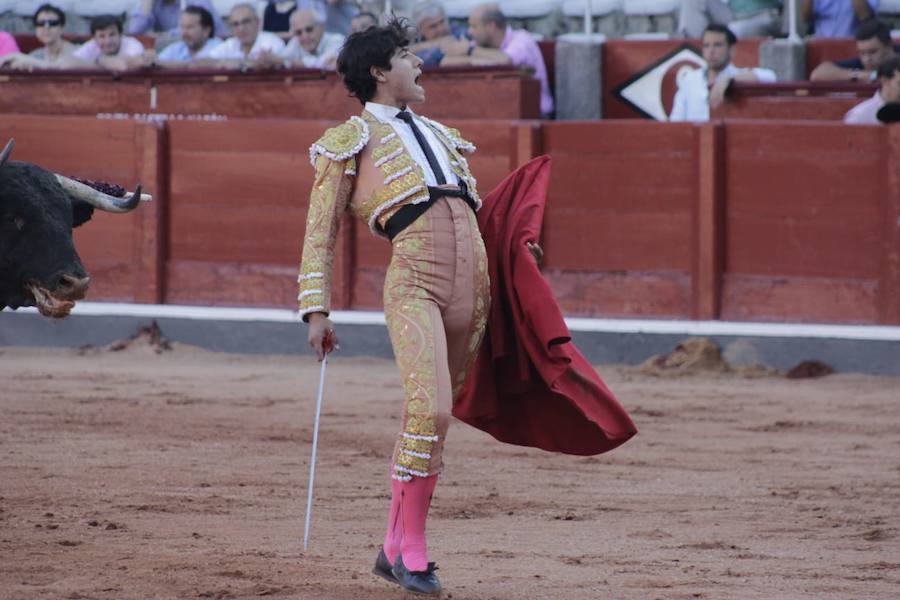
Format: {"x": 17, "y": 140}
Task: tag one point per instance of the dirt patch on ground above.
{"x": 182, "y": 474}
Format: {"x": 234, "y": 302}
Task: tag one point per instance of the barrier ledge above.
{"x": 848, "y": 348}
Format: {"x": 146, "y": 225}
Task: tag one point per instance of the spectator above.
{"x": 496, "y": 43}
{"x": 8, "y": 44}
{"x": 277, "y": 17}
{"x": 151, "y": 16}
{"x": 363, "y": 21}
{"x": 48, "y": 27}
{"x": 702, "y": 89}
{"x": 249, "y": 44}
{"x": 197, "y": 41}
{"x": 874, "y": 46}
{"x": 108, "y": 48}
{"x": 837, "y": 18}
{"x": 888, "y": 91}
{"x": 745, "y": 18}
{"x": 49, "y": 21}
{"x": 311, "y": 45}
{"x": 436, "y": 38}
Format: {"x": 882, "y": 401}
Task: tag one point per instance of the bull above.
{"x": 38, "y": 210}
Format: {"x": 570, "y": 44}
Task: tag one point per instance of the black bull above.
{"x": 38, "y": 209}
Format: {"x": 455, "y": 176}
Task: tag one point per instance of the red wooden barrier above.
{"x": 123, "y": 253}
{"x": 464, "y": 92}
{"x": 799, "y": 100}
{"x": 805, "y": 239}
{"x": 746, "y": 220}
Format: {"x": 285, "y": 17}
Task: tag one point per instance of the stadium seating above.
{"x": 645, "y": 16}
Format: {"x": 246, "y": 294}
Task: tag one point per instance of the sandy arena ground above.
{"x": 132, "y": 475}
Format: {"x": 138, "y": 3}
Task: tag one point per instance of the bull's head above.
{"x": 38, "y": 209}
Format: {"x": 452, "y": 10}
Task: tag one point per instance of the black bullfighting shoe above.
{"x": 383, "y": 567}
{"x": 418, "y": 582}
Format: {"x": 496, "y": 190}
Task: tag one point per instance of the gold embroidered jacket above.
{"x": 362, "y": 165}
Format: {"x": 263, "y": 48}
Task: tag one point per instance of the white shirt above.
{"x": 128, "y": 47}
{"x": 230, "y": 49}
{"x": 388, "y": 114}
{"x": 692, "y": 97}
{"x": 865, "y": 113}
{"x": 329, "y": 46}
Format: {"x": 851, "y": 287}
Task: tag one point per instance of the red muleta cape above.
{"x": 530, "y": 385}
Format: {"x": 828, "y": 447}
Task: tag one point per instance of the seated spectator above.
{"x": 197, "y": 41}
{"x": 874, "y": 46}
{"x": 888, "y": 91}
{"x": 837, "y": 18}
{"x": 277, "y": 17}
{"x": 48, "y": 27}
{"x": 363, "y": 21}
{"x": 702, "y": 89}
{"x": 8, "y": 44}
{"x": 108, "y": 48}
{"x": 339, "y": 14}
{"x": 496, "y": 43}
{"x": 311, "y": 45}
{"x": 152, "y": 16}
{"x": 436, "y": 38}
{"x": 745, "y": 18}
{"x": 49, "y": 21}
{"x": 249, "y": 44}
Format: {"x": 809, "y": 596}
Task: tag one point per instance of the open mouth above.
{"x": 48, "y": 304}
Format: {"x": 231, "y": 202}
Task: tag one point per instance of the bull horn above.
{"x": 98, "y": 199}
{"x": 7, "y": 151}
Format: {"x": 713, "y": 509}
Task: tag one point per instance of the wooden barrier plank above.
{"x": 802, "y": 216}
{"x": 803, "y": 199}
{"x": 819, "y": 50}
{"x": 889, "y": 272}
{"x": 709, "y": 223}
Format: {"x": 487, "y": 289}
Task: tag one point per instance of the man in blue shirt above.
{"x": 837, "y": 18}
{"x": 196, "y": 26}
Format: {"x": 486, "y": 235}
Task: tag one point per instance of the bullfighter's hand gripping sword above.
{"x": 326, "y": 343}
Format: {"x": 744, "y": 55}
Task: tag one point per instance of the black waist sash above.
{"x": 407, "y": 215}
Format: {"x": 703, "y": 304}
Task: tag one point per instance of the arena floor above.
{"x": 136, "y": 475}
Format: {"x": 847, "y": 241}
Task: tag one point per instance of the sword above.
{"x": 315, "y": 443}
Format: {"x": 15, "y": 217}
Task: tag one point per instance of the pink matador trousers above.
{"x": 436, "y": 300}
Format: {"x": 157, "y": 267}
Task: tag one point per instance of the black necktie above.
{"x": 407, "y": 118}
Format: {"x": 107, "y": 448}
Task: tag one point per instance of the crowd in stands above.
{"x": 310, "y": 33}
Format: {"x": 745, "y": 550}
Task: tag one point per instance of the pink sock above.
{"x": 394, "y": 535}
{"x": 414, "y": 503}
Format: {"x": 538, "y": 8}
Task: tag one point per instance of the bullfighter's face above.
{"x": 401, "y": 83}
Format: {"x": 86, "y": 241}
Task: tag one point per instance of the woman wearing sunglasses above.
{"x": 54, "y": 53}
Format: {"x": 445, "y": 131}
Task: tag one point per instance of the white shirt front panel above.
{"x": 388, "y": 114}
{"x": 230, "y": 49}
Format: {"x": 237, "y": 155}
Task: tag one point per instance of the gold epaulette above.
{"x": 342, "y": 142}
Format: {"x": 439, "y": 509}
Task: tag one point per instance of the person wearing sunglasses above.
{"x": 311, "y": 46}
{"x": 49, "y": 22}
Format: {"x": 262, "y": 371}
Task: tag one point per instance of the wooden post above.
{"x": 151, "y": 218}
{"x": 709, "y": 222}
{"x": 889, "y": 280}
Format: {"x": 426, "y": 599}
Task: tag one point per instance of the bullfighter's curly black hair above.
{"x": 373, "y": 47}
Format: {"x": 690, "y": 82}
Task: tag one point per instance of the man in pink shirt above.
{"x": 7, "y": 44}
{"x": 108, "y": 48}
{"x": 889, "y": 78}
{"x": 496, "y": 43}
